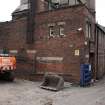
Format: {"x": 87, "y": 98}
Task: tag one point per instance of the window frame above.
{"x": 51, "y": 29}
{"x": 88, "y": 30}
{"x": 61, "y": 28}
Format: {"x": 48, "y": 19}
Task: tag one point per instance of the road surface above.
{"x": 23, "y": 92}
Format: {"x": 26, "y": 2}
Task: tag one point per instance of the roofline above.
{"x": 73, "y": 6}
{"x": 99, "y": 26}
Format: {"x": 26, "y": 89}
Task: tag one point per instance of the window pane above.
{"x": 71, "y": 2}
{"x": 86, "y": 30}
{"x": 63, "y": 1}
{"x": 62, "y": 30}
{"x": 51, "y": 31}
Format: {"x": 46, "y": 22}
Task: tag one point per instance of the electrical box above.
{"x": 85, "y": 75}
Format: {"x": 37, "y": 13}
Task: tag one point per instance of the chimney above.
{"x": 90, "y": 4}
{"x": 31, "y": 21}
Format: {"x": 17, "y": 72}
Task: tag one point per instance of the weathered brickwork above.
{"x": 45, "y": 46}
{"x": 61, "y": 54}
{"x": 100, "y": 38}
{"x": 15, "y": 34}
{"x": 65, "y": 47}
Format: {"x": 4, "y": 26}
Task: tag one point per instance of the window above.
{"x": 88, "y": 30}
{"x": 55, "y": 4}
{"x": 63, "y": 2}
{"x": 56, "y": 29}
{"x": 69, "y": 2}
{"x": 72, "y": 2}
{"x": 61, "y": 30}
{"x": 51, "y": 31}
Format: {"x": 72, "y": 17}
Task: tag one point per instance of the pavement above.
{"x": 23, "y": 92}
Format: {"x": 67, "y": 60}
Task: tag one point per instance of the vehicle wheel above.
{"x": 9, "y": 76}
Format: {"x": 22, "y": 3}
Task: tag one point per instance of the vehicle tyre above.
{"x": 9, "y": 76}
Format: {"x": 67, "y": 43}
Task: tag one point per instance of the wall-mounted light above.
{"x": 79, "y": 29}
{"x": 87, "y": 56}
{"x": 86, "y": 43}
{"x": 71, "y": 45}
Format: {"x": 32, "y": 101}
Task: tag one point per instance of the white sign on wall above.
{"x": 13, "y": 51}
{"x": 77, "y": 52}
{"x": 49, "y": 58}
{"x": 31, "y": 51}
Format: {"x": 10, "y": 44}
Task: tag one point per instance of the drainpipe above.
{"x": 32, "y": 6}
{"x": 96, "y": 52}
{"x": 31, "y": 21}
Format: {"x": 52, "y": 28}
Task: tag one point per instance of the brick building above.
{"x": 55, "y": 36}
{"x": 100, "y": 49}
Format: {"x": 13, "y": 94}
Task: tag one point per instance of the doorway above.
{"x": 92, "y": 62}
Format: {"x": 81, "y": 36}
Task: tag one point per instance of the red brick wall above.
{"x": 64, "y": 47}
{"x": 13, "y": 34}
{"x": 17, "y": 34}
{"x": 74, "y": 18}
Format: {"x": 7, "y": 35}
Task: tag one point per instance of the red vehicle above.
{"x": 7, "y": 66}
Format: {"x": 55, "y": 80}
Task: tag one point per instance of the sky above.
{"x": 8, "y": 6}
{"x": 100, "y": 14}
